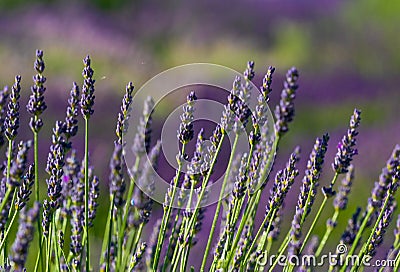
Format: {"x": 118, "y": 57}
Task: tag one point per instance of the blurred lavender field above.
{"x": 346, "y": 52}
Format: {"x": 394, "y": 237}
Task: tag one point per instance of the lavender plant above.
{"x": 237, "y": 241}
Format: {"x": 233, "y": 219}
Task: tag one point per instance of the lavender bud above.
{"x": 377, "y": 237}
{"x": 138, "y": 256}
{"x": 18, "y": 165}
{"x": 340, "y": 202}
{"x": 141, "y": 144}
{"x": 55, "y": 164}
{"x": 25, "y": 189}
{"x": 385, "y": 179}
{"x": 3, "y": 102}
{"x": 12, "y": 117}
{"x": 36, "y": 104}
{"x": 71, "y": 123}
{"x": 123, "y": 115}
{"x": 151, "y": 248}
{"x": 93, "y": 199}
{"x": 352, "y": 228}
{"x": 284, "y": 112}
{"x": 47, "y": 217}
{"x": 24, "y": 237}
{"x": 186, "y": 132}
{"x": 87, "y": 98}
{"x": 117, "y": 187}
{"x": 346, "y": 149}
{"x": 240, "y": 184}
{"x": 312, "y": 173}
{"x": 283, "y": 182}
{"x": 266, "y": 87}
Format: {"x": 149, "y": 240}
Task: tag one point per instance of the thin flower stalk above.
{"x": 185, "y": 134}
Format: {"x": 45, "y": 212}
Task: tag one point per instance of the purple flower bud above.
{"x": 24, "y": 237}
{"x": 36, "y": 104}
{"x": 284, "y": 112}
{"x": 87, "y": 98}
{"x": 346, "y": 149}
{"x": 12, "y": 117}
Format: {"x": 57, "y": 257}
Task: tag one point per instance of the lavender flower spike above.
{"x": 36, "y": 104}
{"x": 25, "y": 189}
{"x": 346, "y": 149}
{"x": 24, "y": 237}
{"x": 3, "y": 102}
{"x": 72, "y": 112}
{"x": 117, "y": 187}
{"x": 87, "y": 98}
{"x": 185, "y": 132}
{"x": 123, "y": 115}
{"x": 12, "y": 117}
{"x": 284, "y": 112}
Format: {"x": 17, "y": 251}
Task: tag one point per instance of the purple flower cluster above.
{"x": 36, "y": 104}
{"x": 12, "y": 116}
{"x": 284, "y": 112}
{"x": 186, "y": 132}
{"x": 346, "y": 149}
{"x": 24, "y": 237}
{"x": 87, "y": 98}
{"x": 3, "y": 105}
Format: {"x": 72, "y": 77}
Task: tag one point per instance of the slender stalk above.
{"x": 37, "y": 188}
{"x": 56, "y": 251}
{"x": 327, "y": 234}
{"x": 364, "y": 248}
{"x": 217, "y": 211}
{"x": 8, "y": 193}
{"x": 260, "y": 230}
{"x": 49, "y": 249}
{"x": 107, "y": 241}
{"x": 317, "y": 216}
{"x": 87, "y": 193}
{"x": 261, "y": 247}
{"x": 190, "y": 224}
{"x": 166, "y": 215}
{"x": 358, "y": 236}
{"x": 8, "y": 229}
{"x": 126, "y": 209}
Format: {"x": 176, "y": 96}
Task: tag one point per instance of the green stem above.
{"x": 260, "y": 230}
{"x": 327, "y": 234}
{"x": 280, "y": 252}
{"x": 107, "y": 230}
{"x": 217, "y": 211}
{"x": 56, "y": 251}
{"x": 383, "y": 210}
{"x": 87, "y": 193}
{"x": 37, "y": 193}
{"x": 358, "y": 237}
{"x": 314, "y": 223}
{"x": 8, "y": 230}
{"x": 167, "y": 214}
